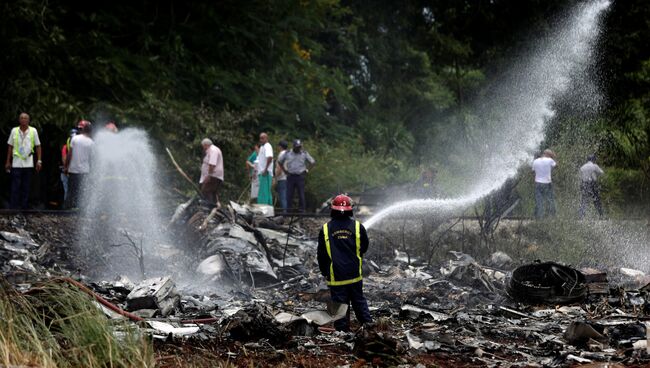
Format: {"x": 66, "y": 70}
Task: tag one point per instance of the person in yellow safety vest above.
{"x": 342, "y": 242}
{"x": 23, "y": 142}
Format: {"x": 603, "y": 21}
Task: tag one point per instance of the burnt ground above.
{"x": 424, "y": 315}
{"x": 205, "y": 354}
{"x": 56, "y": 233}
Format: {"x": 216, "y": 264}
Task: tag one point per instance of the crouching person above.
{"x": 342, "y": 243}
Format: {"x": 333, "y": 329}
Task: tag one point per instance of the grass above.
{"x": 563, "y": 239}
{"x": 55, "y": 325}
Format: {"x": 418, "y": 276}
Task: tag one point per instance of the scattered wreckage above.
{"x": 262, "y": 290}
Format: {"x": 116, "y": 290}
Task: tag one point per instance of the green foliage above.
{"x": 397, "y": 78}
{"x": 385, "y": 138}
{"x": 348, "y": 168}
{"x": 626, "y": 192}
{"x": 631, "y": 135}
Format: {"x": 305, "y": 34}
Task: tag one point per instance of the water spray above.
{"x": 518, "y": 110}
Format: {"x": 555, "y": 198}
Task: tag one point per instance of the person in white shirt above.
{"x": 589, "y": 190}
{"x": 77, "y": 165}
{"x": 265, "y": 170}
{"x": 211, "y": 172}
{"x": 23, "y": 142}
{"x": 544, "y": 197}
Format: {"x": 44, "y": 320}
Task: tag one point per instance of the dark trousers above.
{"x": 210, "y": 189}
{"x": 281, "y": 188}
{"x": 589, "y": 191}
{"x": 21, "y": 181}
{"x": 351, "y": 294}
{"x": 544, "y": 200}
{"x": 75, "y": 190}
{"x": 296, "y": 182}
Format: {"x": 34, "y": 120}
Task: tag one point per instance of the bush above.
{"x": 348, "y": 168}
{"x": 625, "y": 192}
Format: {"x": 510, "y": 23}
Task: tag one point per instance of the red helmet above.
{"x": 342, "y": 203}
{"x": 111, "y": 127}
{"x": 84, "y": 125}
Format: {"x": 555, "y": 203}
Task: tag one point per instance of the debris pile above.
{"x": 157, "y": 295}
{"x": 256, "y": 287}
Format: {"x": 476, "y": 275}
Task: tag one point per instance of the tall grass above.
{"x": 55, "y": 325}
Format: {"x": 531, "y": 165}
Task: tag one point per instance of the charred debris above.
{"x": 256, "y": 287}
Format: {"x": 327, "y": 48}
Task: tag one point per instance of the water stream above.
{"x": 516, "y": 112}
{"x": 121, "y": 206}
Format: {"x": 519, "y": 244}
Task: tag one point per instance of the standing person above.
{"x": 425, "y": 186}
{"x": 22, "y": 143}
{"x": 297, "y": 163}
{"x": 64, "y": 157}
{"x": 211, "y": 172}
{"x": 265, "y": 170}
{"x": 589, "y": 189}
{"x": 251, "y": 166}
{"x": 342, "y": 242}
{"x": 77, "y": 164}
{"x": 281, "y": 177}
{"x": 544, "y": 196}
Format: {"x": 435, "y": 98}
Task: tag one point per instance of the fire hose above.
{"x": 121, "y": 311}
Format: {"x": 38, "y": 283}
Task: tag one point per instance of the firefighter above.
{"x": 342, "y": 243}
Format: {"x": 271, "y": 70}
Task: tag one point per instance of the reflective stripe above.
{"x": 332, "y": 281}
{"x": 357, "y": 232}
{"x": 326, "y": 235}
{"x": 345, "y": 282}
{"x": 16, "y": 143}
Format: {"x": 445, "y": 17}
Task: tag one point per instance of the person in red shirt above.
{"x": 64, "y": 156}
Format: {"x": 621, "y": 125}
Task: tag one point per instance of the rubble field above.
{"x": 243, "y": 289}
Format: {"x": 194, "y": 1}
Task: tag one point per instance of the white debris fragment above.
{"x": 640, "y": 345}
{"x": 437, "y": 316}
{"x": 577, "y": 359}
{"x": 414, "y": 341}
{"x": 631, "y": 272}
{"x": 213, "y": 265}
{"x": 335, "y": 312}
{"x": 166, "y": 328}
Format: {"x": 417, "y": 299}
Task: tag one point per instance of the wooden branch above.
{"x": 183, "y": 174}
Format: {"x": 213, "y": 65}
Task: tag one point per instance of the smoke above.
{"x": 515, "y": 114}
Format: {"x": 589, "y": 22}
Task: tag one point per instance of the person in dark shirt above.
{"x": 342, "y": 242}
{"x": 425, "y": 187}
